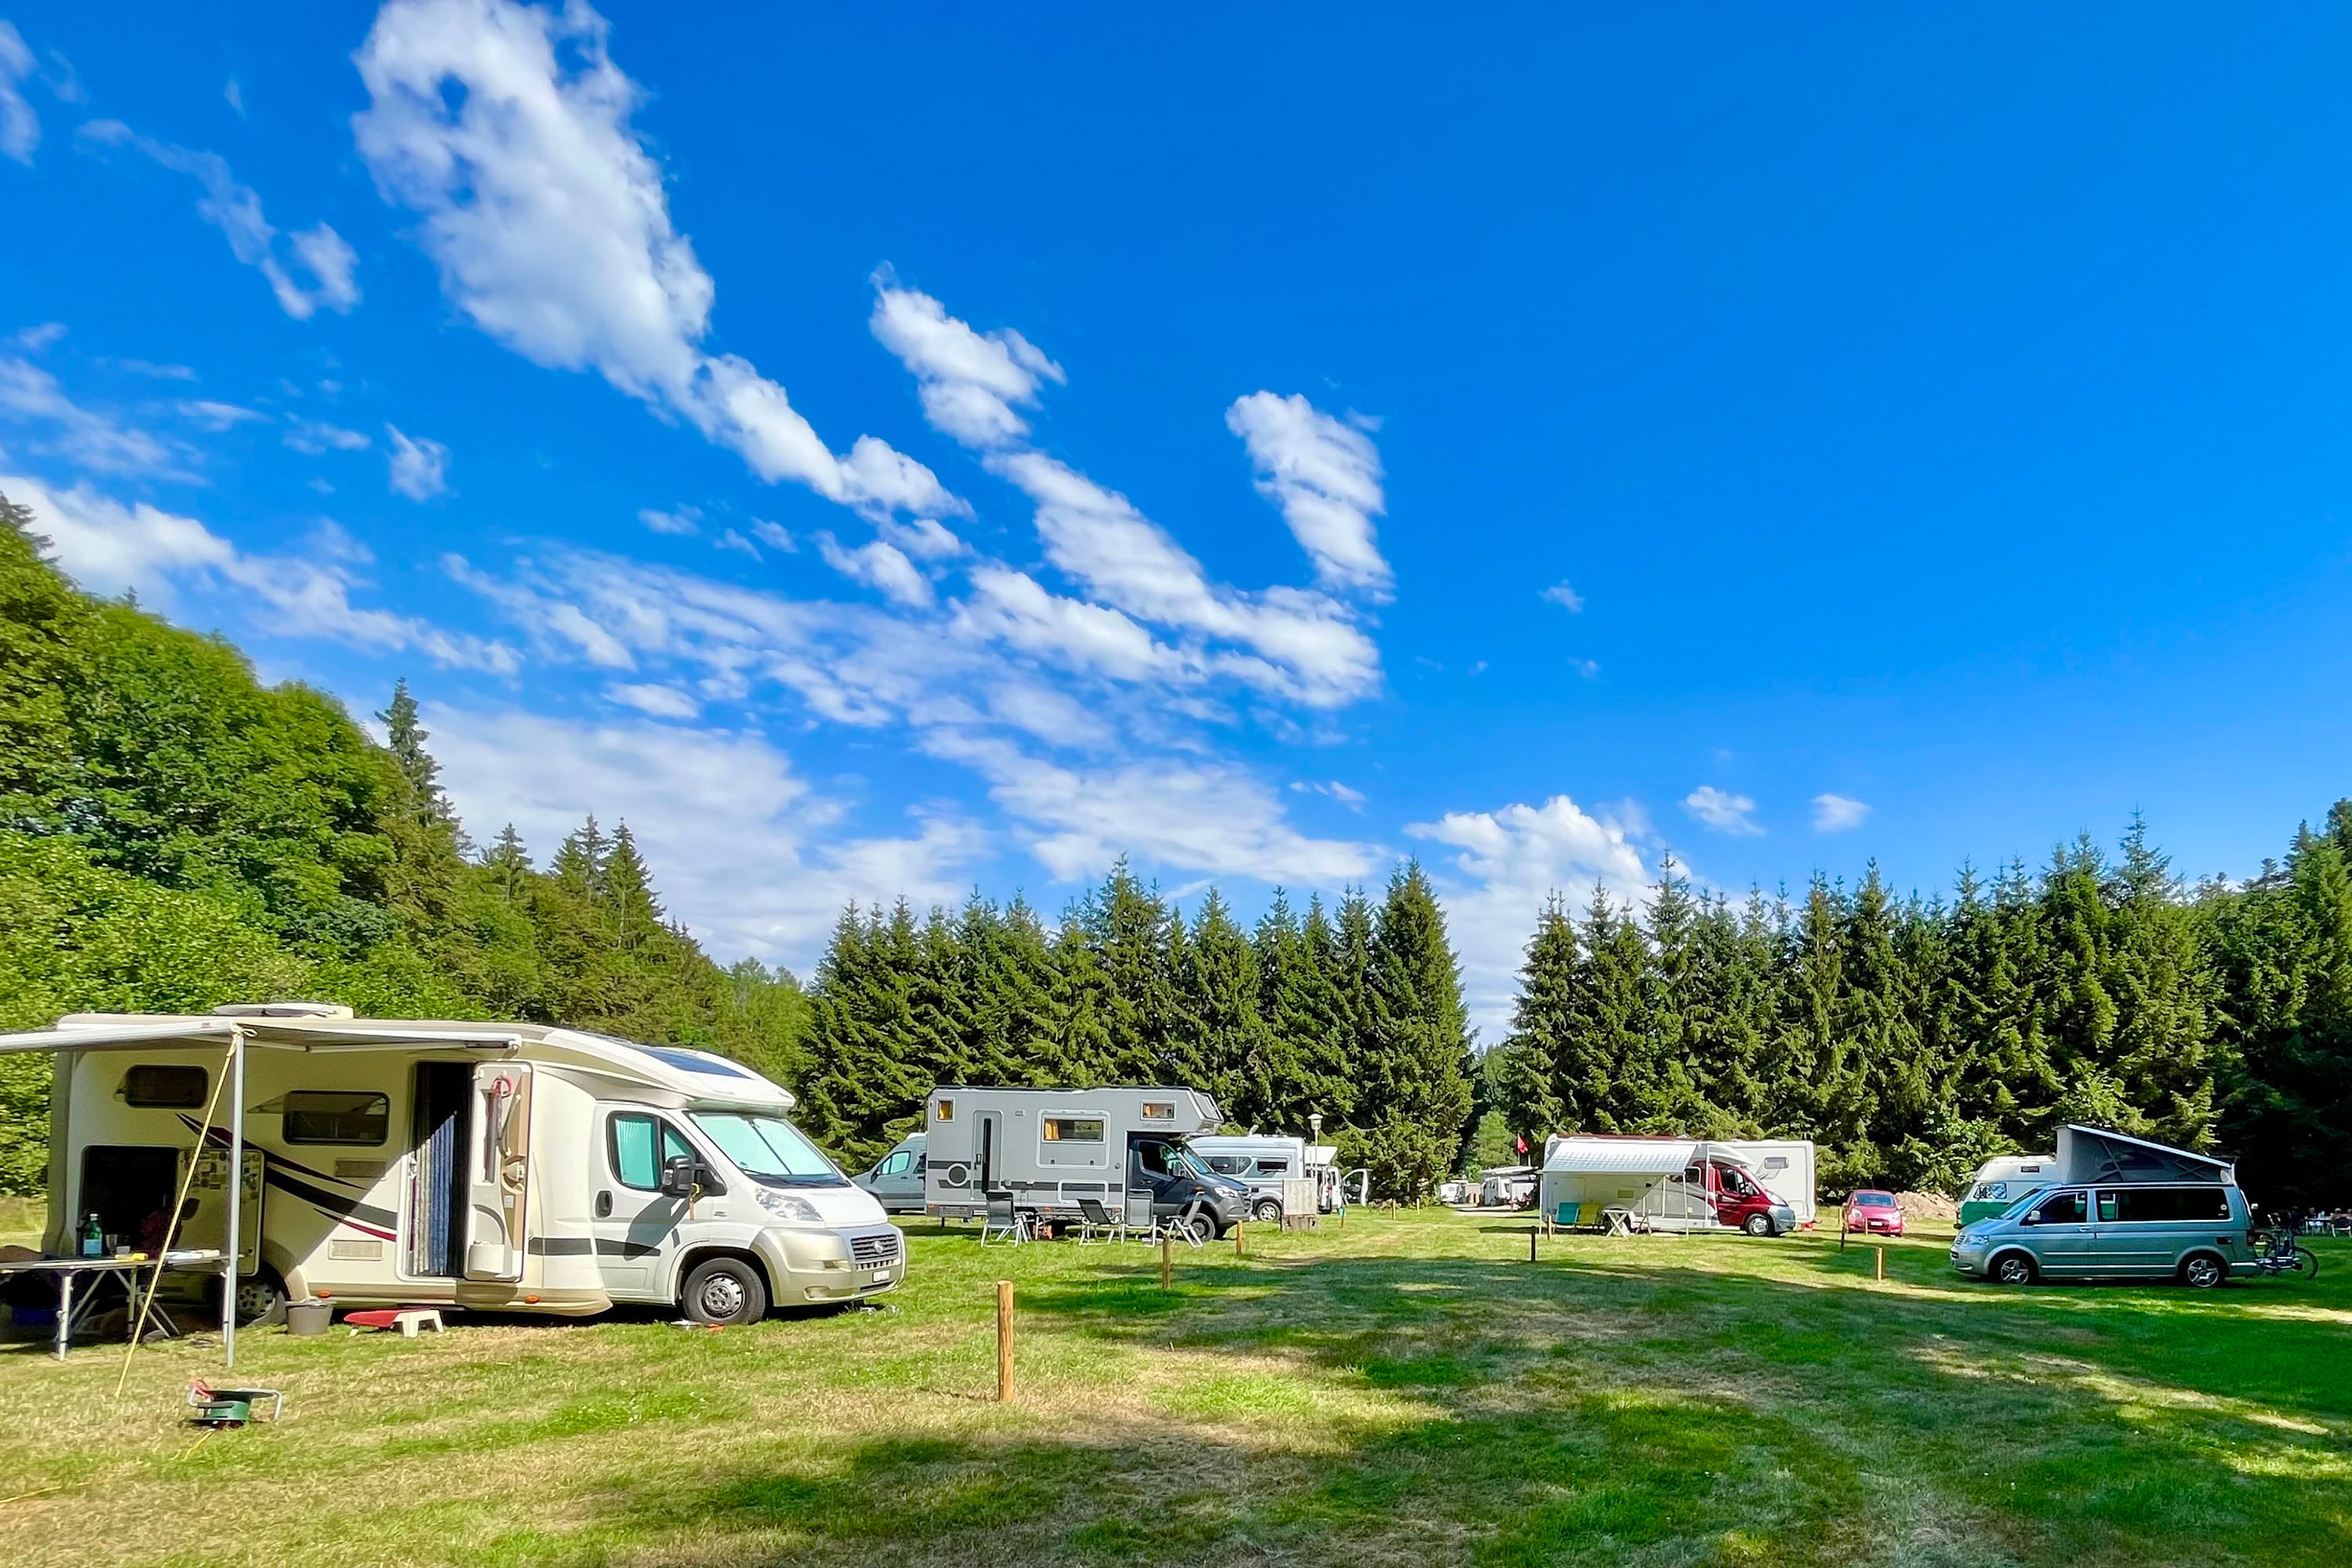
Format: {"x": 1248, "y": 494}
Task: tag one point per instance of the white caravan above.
{"x": 508, "y": 1167}
{"x": 896, "y": 1180}
{"x": 2002, "y": 1181}
{"x": 1048, "y": 1150}
{"x": 1268, "y": 1164}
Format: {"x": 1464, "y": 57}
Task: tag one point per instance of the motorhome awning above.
{"x": 1629, "y": 1156}
{"x": 276, "y": 1034}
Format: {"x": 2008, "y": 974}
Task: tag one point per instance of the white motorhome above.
{"x": 1785, "y": 1166}
{"x": 1048, "y": 1150}
{"x": 896, "y": 1180}
{"x": 513, "y": 1167}
{"x": 1268, "y": 1164}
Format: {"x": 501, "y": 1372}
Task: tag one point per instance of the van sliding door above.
{"x": 498, "y": 1172}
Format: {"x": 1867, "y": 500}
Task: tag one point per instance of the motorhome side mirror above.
{"x": 678, "y": 1176}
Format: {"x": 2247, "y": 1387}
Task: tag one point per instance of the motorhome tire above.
{"x": 2203, "y": 1271}
{"x": 1267, "y": 1211}
{"x": 1759, "y": 1225}
{"x": 2013, "y": 1268}
{"x": 260, "y": 1300}
{"x": 725, "y": 1291}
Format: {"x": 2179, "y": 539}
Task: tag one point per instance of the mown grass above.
{"x": 1409, "y": 1390}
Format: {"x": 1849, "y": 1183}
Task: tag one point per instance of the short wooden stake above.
{"x": 1882, "y": 1263}
{"x": 1240, "y": 1251}
{"x": 1167, "y": 1261}
{"x": 1004, "y": 1342}
{"x": 1531, "y": 1244}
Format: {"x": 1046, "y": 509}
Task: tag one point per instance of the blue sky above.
{"x": 896, "y": 451}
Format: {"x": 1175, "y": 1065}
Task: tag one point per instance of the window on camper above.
{"x": 1229, "y": 1164}
{"x": 1071, "y": 1129}
{"x": 767, "y": 1148}
{"x": 165, "y": 1088}
{"x": 2065, "y": 1209}
{"x": 1158, "y": 1111}
{"x": 337, "y": 1116}
{"x": 2143, "y": 1205}
{"x": 638, "y": 1146}
{"x": 1274, "y": 1167}
{"x": 946, "y": 1111}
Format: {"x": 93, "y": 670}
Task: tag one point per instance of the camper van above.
{"x": 896, "y": 1180}
{"x": 1048, "y": 1150}
{"x": 2000, "y": 1183}
{"x": 508, "y": 1167}
{"x": 2117, "y": 1206}
{"x": 1268, "y": 1166}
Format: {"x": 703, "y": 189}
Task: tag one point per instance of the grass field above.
{"x": 1408, "y": 1390}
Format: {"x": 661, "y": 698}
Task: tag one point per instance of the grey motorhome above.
{"x": 1050, "y": 1150}
{"x": 1285, "y": 1176}
{"x": 515, "y": 1167}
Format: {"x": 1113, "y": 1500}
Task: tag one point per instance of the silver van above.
{"x": 2195, "y": 1232}
{"x": 896, "y": 1180}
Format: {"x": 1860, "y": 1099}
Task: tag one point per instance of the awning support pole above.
{"x": 235, "y": 1197}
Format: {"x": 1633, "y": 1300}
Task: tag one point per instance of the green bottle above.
{"x": 93, "y": 1237}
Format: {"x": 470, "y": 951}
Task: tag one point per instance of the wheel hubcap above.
{"x": 722, "y": 1295}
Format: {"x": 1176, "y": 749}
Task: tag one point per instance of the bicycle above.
{"x": 2277, "y": 1252}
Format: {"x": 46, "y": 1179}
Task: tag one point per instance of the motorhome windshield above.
{"x": 769, "y": 1149}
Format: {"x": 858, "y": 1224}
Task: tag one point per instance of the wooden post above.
{"x": 1882, "y": 1263}
{"x": 1531, "y": 1244}
{"x": 1004, "y": 1342}
{"x": 1167, "y": 1261}
{"x": 1240, "y": 1251}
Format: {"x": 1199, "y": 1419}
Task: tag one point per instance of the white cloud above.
{"x": 235, "y": 97}
{"x": 158, "y": 372}
{"x": 1202, "y": 817}
{"x": 655, "y": 701}
{"x": 33, "y": 339}
{"x": 315, "y": 436}
{"x": 506, "y": 127}
{"x": 922, "y": 538}
{"x": 1723, "y": 811}
{"x": 774, "y": 535}
{"x": 1013, "y": 607}
{"x": 420, "y": 467}
{"x": 968, "y": 381}
{"x": 731, "y": 831}
{"x": 85, "y": 437}
{"x": 1566, "y": 597}
{"x": 879, "y": 566}
{"x": 20, "y": 127}
{"x": 730, "y": 540}
{"x": 1590, "y": 668}
{"x": 215, "y": 417}
{"x": 1325, "y": 475}
{"x": 236, "y": 211}
{"x": 112, "y": 548}
{"x": 680, "y": 521}
{"x": 1510, "y": 860}
{"x": 1353, "y": 799}
{"x": 1836, "y": 813}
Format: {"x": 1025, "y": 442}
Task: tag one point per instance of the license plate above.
{"x": 879, "y": 1276}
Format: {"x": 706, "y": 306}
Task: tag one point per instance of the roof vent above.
{"x": 282, "y": 1010}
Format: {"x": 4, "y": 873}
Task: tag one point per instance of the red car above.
{"x": 1874, "y": 1212}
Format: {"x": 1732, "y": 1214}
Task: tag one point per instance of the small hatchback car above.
{"x": 1874, "y": 1212}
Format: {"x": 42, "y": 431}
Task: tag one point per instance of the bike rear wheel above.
{"x": 2303, "y": 1265}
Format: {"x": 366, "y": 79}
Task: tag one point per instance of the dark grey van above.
{"x": 2195, "y": 1232}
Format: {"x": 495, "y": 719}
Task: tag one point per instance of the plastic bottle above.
{"x": 93, "y": 1237}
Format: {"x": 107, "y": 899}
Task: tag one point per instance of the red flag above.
{"x": 1523, "y": 1144}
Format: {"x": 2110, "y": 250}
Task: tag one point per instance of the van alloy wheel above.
{"x": 2013, "y": 1269}
{"x": 2203, "y": 1271}
{"x": 1759, "y": 1225}
{"x": 1266, "y": 1212}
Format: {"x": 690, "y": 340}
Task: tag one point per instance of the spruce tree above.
{"x": 1230, "y": 1048}
{"x": 625, "y": 892}
{"x": 1526, "y": 1066}
{"x": 1418, "y": 1067}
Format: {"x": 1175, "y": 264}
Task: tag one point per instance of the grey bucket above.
{"x": 309, "y": 1317}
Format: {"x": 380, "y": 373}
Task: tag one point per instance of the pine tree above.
{"x": 509, "y": 863}
{"x": 1418, "y": 1067}
{"x": 579, "y": 863}
{"x": 1526, "y": 1065}
{"x": 405, "y": 737}
{"x": 1231, "y": 1049}
{"x": 625, "y": 892}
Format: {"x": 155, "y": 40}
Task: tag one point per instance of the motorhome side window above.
{"x": 638, "y": 1146}
{"x": 165, "y": 1088}
{"x": 1072, "y": 1129}
{"x": 946, "y": 1112}
{"x": 337, "y": 1116}
{"x": 1274, "y": 1167}
{"x": 2146, "y": 1205}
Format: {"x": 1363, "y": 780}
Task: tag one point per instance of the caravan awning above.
{"x": 277, "y": 1034}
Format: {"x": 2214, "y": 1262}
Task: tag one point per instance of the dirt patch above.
{"x": 1928, "y": 1206}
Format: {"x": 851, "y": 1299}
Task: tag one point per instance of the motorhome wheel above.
{"x": 260, "y": 1300}
{"x": 1759, "y": 1225}
{"x": 725, "y": 1290}
{"x": 1267, "y": 1211}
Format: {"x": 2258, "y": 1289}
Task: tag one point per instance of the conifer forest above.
{"x": 174, "y": 834}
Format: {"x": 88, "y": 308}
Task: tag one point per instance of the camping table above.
{"x": 1620, "y": 1221}
{"x": 123, "y": 1272}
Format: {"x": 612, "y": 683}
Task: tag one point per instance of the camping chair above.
{"x": 1096, "y": 1222}
{"x": 1003, "y": 1220}
{"x": 1566, "y": 1216}
{"x": 1182, "y": 1227}
{"x": 1141, "y": 1224}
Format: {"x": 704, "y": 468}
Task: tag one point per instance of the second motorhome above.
{"x": 1048, "y": 1151}
{"x": 507, "y": 1167}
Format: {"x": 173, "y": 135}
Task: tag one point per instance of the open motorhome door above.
{"x": 498, "y": 1177}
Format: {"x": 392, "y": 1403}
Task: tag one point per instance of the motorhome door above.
{"x": 992, "y": 1153}
{"x": 498, "y": 1181}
